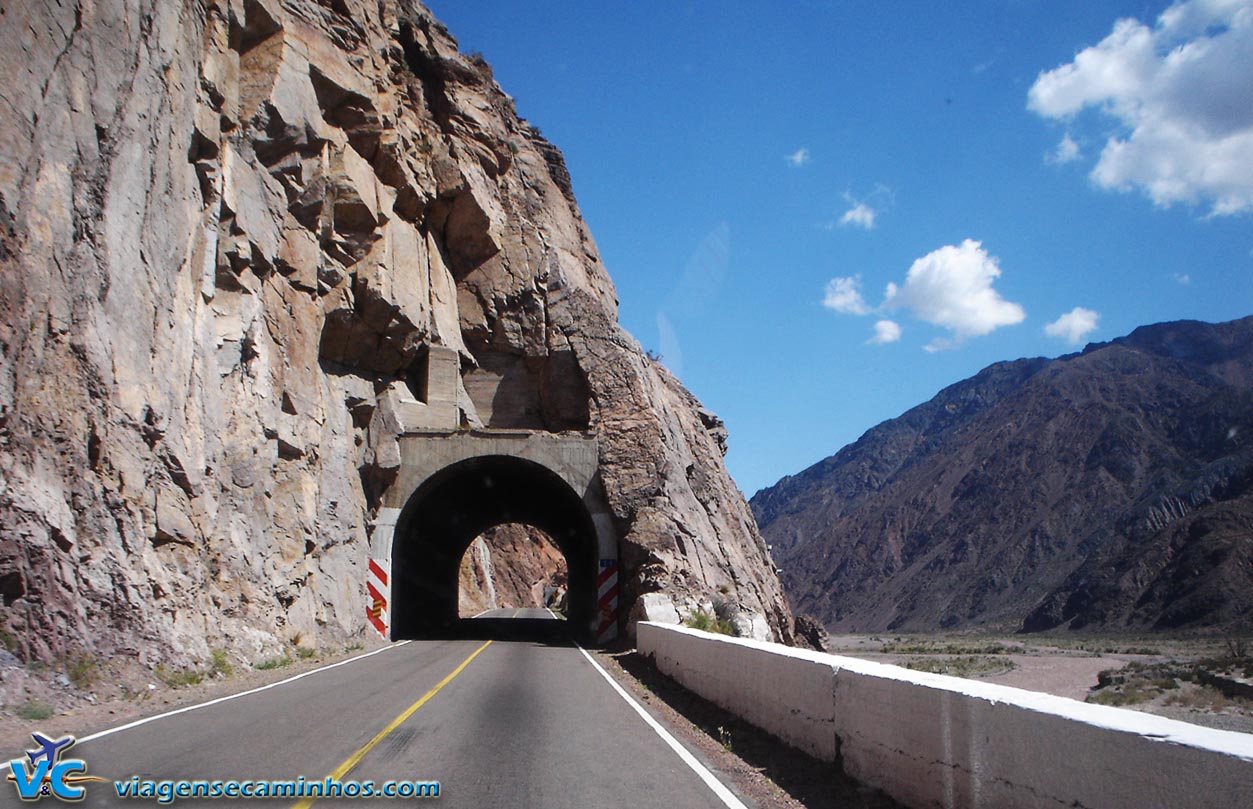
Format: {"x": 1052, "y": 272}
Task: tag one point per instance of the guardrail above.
{"x": 931, "y": 740}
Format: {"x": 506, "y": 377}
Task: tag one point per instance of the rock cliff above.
{"x": 511, "y": 565}
{"x": 229, "y": 234}
{"x": 1110, "y": 490}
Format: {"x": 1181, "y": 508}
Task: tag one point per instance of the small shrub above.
{"x": 178, "y": 679}
{"x": 726, "y": 610}
{"x": 709, "y": 623}
{"x": 274, "y": 663}
{"x": 353, "y": 647}
{"x": 965, "y": 666}
{"x": 305, "y": 654}
{"x": 220, "y": 665}
{"x": 35, "y": 711}
{"x": 1208, "y": 698}
{"x": 82, "y": 671}
{"x": 1118, "y": 697}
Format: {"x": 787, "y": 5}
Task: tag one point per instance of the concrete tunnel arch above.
{"x": 456, "y": 504}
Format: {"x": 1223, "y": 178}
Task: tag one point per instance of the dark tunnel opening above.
{"x": 456, "y": 505}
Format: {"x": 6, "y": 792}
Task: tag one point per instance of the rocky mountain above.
{"x": 1106, "y": 490}
{"x": 511, "y": 565}
{"x": 231, "y": 232}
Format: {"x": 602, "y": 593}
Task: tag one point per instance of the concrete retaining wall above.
{"x": 934, "y": 741}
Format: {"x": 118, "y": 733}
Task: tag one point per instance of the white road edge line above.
{"x": 484, "y": 612}
{"x": 711, "y": 781}
{"x": 185, "y": 709}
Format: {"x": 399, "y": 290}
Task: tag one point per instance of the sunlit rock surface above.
{"x": 229, "y": 233}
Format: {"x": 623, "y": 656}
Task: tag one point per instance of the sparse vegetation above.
{"x": 82, "y": 671}
{"x": 1209, "y": 699}
{"x": 961, "y": 666}
{"x": 178, "y": 679}
{"x": 726, "y": 610}
{"x": 704, "y": 621}
{"x": 353, "y": 647}
{"x": 35, "y": 710}
{"x": 918, "y": 647}
{"x": 220, "y": 663}
{"x": 1122, "y": 695}
{"x": 274, "y": 663}
{"x": 305, "y": 654}
{"x": 1138, "y": 682}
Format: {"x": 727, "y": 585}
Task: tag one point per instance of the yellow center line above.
{"x": 339, "y": 772}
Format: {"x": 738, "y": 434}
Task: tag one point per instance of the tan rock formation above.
{"x": 228, "y": 231}
{"x": 511, "y": 565}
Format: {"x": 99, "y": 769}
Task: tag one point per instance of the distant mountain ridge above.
{"x": 1106, "y": 490}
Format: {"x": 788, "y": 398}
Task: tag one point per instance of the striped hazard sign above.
{"x": 377, "y": 590}
{"x": 607, "y": 601}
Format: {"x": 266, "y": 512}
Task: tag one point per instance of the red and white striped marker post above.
{"x": 376, "y": 585}
{"x": 607, "y": 601}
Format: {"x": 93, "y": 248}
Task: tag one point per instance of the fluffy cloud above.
{"x": 1074, "y": 325}
{"x": 952, "y": 287}
{"x": 885, "y": 331}
{"x": 1067, "y": 151}
{"x": 798, "y": 158}
{"x": 844, "y": 295}
{"x": 860, "y": 215}
{"x": 1182, "y": 92}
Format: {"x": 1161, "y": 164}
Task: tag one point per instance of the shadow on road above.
{"x": 532, "y": 630}
{"x": 810, "y": 782}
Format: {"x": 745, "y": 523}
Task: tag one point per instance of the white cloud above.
{"x": 952, "y": 287}
{"x": 1066, "y": 151}
{"x": 1073, "y": 326}
{"x": 844, "y": 295}
{"x": 860, "y": 215}
{"x": 798, "y": 158}
{"x": 885, "y": 331}
{"x": 1182, "y": 278}
{"x": 1183, "y": 94}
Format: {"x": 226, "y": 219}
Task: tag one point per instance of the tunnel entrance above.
{"x": 461, "y": 502}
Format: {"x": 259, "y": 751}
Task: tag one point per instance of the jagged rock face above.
{"x": 1108, "y": 490}
{"x": 511, "y": 565}
{"x": 228, "y": 232}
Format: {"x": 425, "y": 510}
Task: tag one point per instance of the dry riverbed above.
{"x": 1154, "y": 674}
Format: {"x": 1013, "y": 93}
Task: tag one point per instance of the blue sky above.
{"x": 822, "y": 213}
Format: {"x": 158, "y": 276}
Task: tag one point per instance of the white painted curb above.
{"x": 933, "y": 740}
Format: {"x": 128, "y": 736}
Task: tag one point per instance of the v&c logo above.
{"x": 47, "y": 773}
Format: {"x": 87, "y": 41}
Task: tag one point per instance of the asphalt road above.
{"x": 522, "y": 724}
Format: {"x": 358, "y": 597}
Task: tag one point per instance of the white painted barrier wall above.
{"x": 929, "y": 740}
